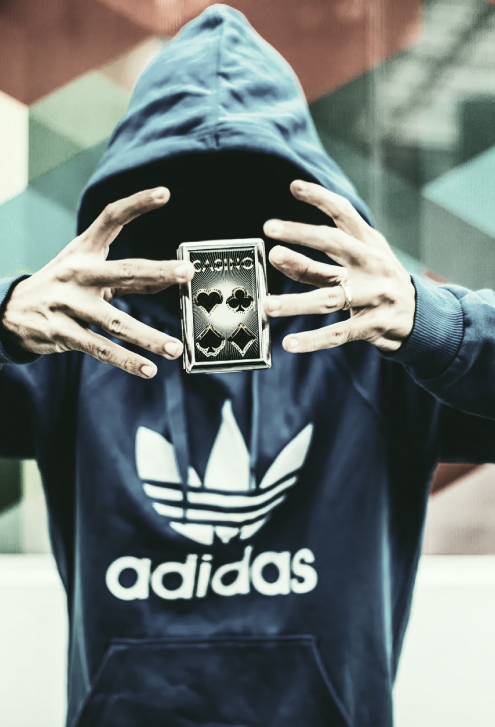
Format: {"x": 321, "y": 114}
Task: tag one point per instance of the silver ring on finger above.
{"x": 347, "y": 295}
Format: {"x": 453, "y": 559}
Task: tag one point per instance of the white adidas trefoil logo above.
{"x": 227, "y": 504}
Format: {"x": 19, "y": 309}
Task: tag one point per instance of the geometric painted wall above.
{"x": 417, "y": 135}
{"x": 67, "y": 69}
{"x": 327, "y": 43}
{"x": 47, "y": 44}
{"x": 64, "y": 136}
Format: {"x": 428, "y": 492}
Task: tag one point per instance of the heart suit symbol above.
{"x": 208, "y": 299}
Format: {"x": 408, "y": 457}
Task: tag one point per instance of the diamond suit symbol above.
{"x": 242, "y": 338}
{"x": 227, "y": 504}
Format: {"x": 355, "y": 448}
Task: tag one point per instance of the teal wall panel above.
{"x": 468, "y": 192}
{"x": 33, "y": 228}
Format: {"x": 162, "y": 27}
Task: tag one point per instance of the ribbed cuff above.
{"x": 437, "y": 332}
{"x": 9, "y": 352}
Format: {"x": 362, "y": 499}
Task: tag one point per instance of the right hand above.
{"x": 52, "y": 311}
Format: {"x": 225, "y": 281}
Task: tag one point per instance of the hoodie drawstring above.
{"x": 255, "y": 413}
{"x": 177, "y": 417}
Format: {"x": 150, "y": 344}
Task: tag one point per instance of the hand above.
{"x": 52, "y": 311}
{"x": 383, "y": 295}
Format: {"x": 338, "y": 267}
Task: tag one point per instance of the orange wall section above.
{"x": 327, "y": 42}
{"x": 46, "y": 43}
{"x": 162, "y": 17}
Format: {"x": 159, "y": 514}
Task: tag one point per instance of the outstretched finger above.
{"x": 338, "y": 245}
{"x": 340, "y": 209}
{"x": 107, "y": 226}
{"x": 316, "y": 302}
{"x": 301, "y": 268}
{"x": 128, "y": 329}
{"x": 326, "y": 337}
{"x": 343, "y": 213}
{"x": 134, "y": 275}
{"x": 109, "y": 352}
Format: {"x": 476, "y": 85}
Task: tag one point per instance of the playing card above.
{"x": 223, "y": 322}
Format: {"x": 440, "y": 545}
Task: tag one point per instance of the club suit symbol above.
{"x": 240, "y": 301}
{"x": 210, "y": 342}
{"x": 227, "y": 504}
{"x": 208, "y": 300}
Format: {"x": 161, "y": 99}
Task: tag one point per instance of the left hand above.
{"x": 382, "y": 292}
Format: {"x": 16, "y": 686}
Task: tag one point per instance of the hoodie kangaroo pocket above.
{"x": 217, "y": 682}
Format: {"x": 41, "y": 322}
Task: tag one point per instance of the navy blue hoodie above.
{"x": 241, "y": 549}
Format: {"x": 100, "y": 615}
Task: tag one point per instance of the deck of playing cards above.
{"x": 224, "y": 324}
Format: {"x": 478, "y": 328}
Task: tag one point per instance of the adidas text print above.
{"x": 295, "y": 574}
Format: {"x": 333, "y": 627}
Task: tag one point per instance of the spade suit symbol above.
{"x": 240, "y": 301}
{"x": 227, "y": 504}
{"x": 210, "y": 342}
{"x": 208, "y": 299}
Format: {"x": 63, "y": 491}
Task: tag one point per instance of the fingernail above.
{"x": 171, "y": 348}
{"x": 274, "y": 228}
{"x": 277, "y": 255}
{"x": 299, "y": 186}
{"x": 148, "y": 371}
{"x": 181, "y": 272}
{"x": 160, "y": 194}
{"x": 273, "y": 305}
{"x": 291, "y": 344}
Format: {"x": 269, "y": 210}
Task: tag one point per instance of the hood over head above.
{"x": 219, "y": 118}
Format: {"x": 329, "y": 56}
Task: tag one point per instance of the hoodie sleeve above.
{"x": 9, "y": 353}
{"x": 16, "y": 389}
{"x": 451, "y": 349}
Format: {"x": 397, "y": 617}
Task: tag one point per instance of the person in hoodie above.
{"x": 236, "y": 549}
